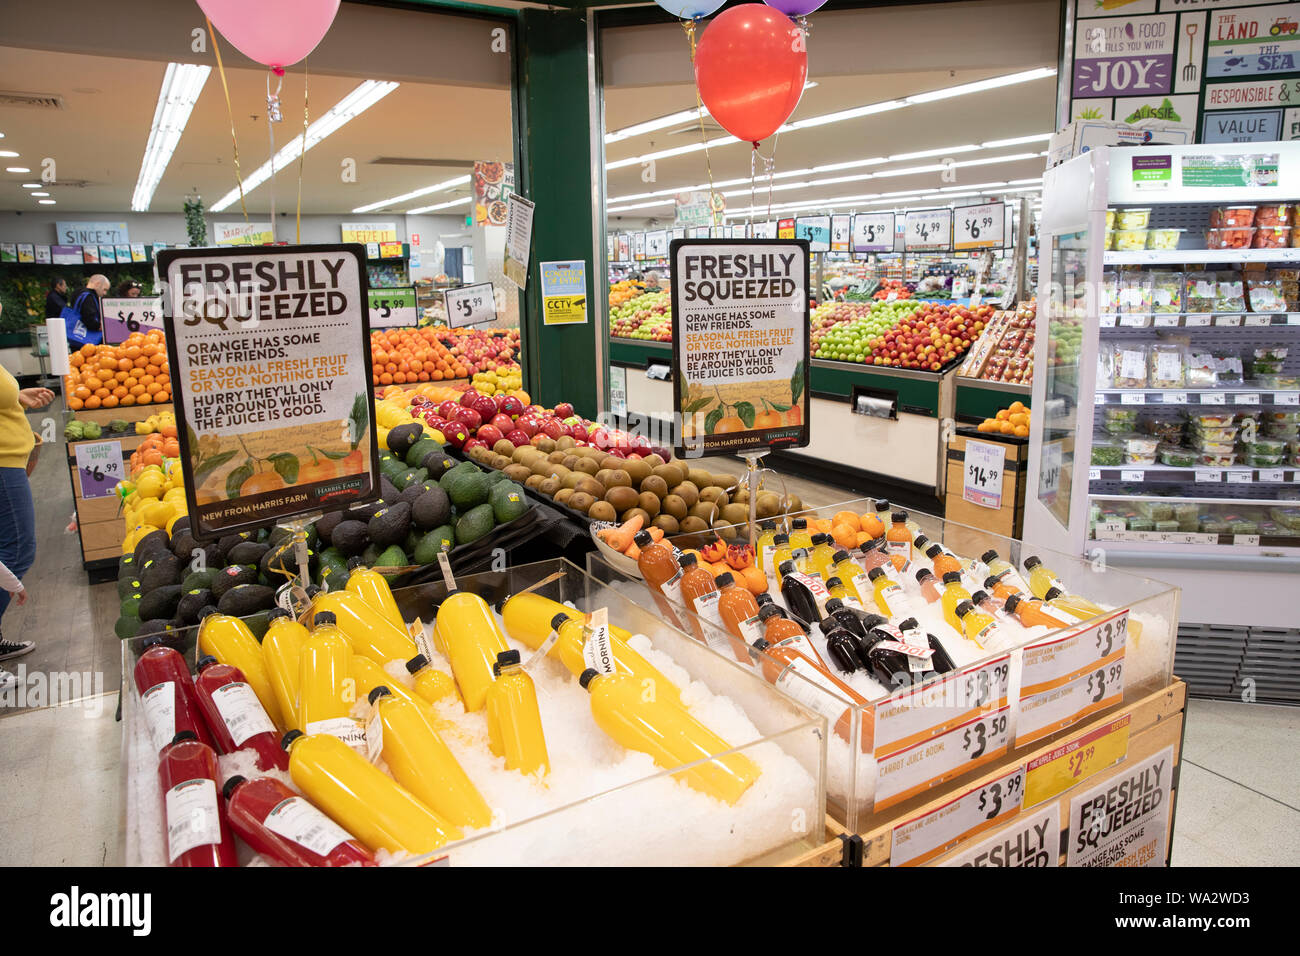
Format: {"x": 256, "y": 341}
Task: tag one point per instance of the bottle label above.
{"x": 706, "y": 606}
{"x": 160, "y": 713}
{"x": 421, "y": 637}
{"x": 888, "y": 599}
{"x": 811, "y": 697}
{"x": 344, "y": 728}
{"x": 597, "y": 651}
{"x": 751, "y": 630}
{"x": 374, "y": 735}
{"x": 987, "y": 633}
{"x": 1069, "y": 617}
{"x": 765, "y": 559}
{"x": 862, "y": 584}
{"x": 295, "y": 819}
{"x": 192, "y": 816}
{"x": 813, "y": 583}
{"x": 672, "y": 588}
{"x": 803, "y": 645}
{"x": 242, "y": 712}
{"x": 918, "y": 658}
{"x": 901, "y": 547}
{"x": 850, "y": 601}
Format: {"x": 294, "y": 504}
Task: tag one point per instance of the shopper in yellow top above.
{"x": 17, "y": 513}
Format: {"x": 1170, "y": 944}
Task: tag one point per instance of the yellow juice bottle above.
{"x": 514, "y": 722}
{"x": 823, "y": 555}
{"x": 669, "y": 734}
{"x": 470, "y": 634}
{"x": 326, "y": 687}
{"x": 431, "y": 684}
{"x": 765, "y": 545}
{"x": 367, "y": 630}
{"x": 421, "y": 762}
{"x": 848, "y": 571}
{"x": 229, "y": 640}
{"x": 372, "y": 587}
{"x": 976, "y": 626}
{"x": 281, "y": 654}
{"x": 359, "y": 797}
{"x": 887, "y": 595}
{"x": 799, "y": 534}
{"x": 568, "y": 649}
{"x": 781, "y": 552}
{"x": 953, "y": 594}
{"x": 527, "y": 619}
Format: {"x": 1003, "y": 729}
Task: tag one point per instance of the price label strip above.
{"x": 470, "y": 305}
{"x": 1029, "y": 840}
{"x": 1055, "y": 772}
{"x": 979, "y": 227}
{"x": 99, "y": 466}
{"x": 943, "y": 758}
{"x": 393, "y": 308}
{"x": 976, "y": 810}
{"x": 1065, "y": 679}
{"x": 124, "y": 316}
{"x": 912, "y": 717}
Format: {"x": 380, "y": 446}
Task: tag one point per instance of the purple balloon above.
{"x": 795, "y": 8}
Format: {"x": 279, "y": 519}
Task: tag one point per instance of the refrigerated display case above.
{"x": 1169, "y": 444}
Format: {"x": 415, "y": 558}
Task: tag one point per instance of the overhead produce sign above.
{"x": 979, "y": 227}
{"x": 364, "y": 232}
{"x": 270, "y": 358}
{"x": 927, "y": 229}
{"x": 66, "y": 255}
{"x": 493, "y": 183}
{"x": 393, "y": 308}
{"x": 697, "y": 209}
{"x": 564, "y": 293}
{"x": 1251, "y": 126}
{"x": 241, "y": 233}
{"x": 1256, "y": 41}
{"x": 99, "y": 466}
{"x": 656, "y": 244}
{"x": 841, "y": 226}
{"x": 1236, "y": 96}
{"x": 91, "y": 233}
{"x": 123, "y": 316}
{"x": 873, "y": 232}
{"x": 638, "y": 245}
{"x": 740, "y": 344}
{"x": 470, "y": 305}
{"x": 815, "y": 229}
{"x": 1124, "y": 56}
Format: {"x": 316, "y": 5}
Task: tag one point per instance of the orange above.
{"x": 75, "y": 404}
{"x": 81, "y": 392}
{"x": 849, "y": 518}
{"x": 110, "y": 401}
{"x": 102, "y": 392}
{"x": 93, "y": 382}
{"x": 1021, "y": 431}
{"x": 128, "y": 400}
{"x": 753, "y": 578}
{"x": 1003, "y": 414}
{"x": 845, "y": 536}
{"x": 168, "y": 431}
{"x": 260, "y": 482}
{"x": 863, "y": 538}
{"x": 144, "y": 399}
{"x": 164, "y": 396}
{"x": 1018, "y": 418}
{"x": 76, "y": 359}
{"x": 93, "y": 402}
{"x": 1007, "y": 428}
{"x": 1016, "y": 407}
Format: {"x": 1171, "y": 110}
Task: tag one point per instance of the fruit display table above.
{"x": 976, "y": 398}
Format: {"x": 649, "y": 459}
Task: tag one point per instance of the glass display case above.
{"x": 600, "y": 804}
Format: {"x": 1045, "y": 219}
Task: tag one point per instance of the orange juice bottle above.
{"x": 281, "y": 652}
{"x": 514, "y": 721}
{"x": 372, "y": 587}
{"x": 898, "y": 541}
{"x": 780, "y": 663}
{"x": 1031, "y": 612}
{"x": 779, "y": 630}
{"x": 739, "y": 612}
{"x": 366, "y": 628}
{"x": 326, "y": 688}
{"x": 700, "y": 593}
{"x": 430, "y": 683}
{"x": 469, "y": 631}
{"x": 229, "y": 640}
{"x": 663, "y": 575}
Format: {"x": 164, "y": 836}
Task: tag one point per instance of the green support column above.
{"x": 564, "y": 362}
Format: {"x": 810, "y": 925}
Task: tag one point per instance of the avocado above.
{"x": 391, "y": 557}
{"x": 508, "y": 501}
{"x": 247, "y": 552}
{"x": 466, "y": 489}
{"x": 258, "y": 622}
{"x": 246, "y": 599}
{"x": 231, "y": 577}
{"x": 364, "y": 511}
{"x": 411, "y": 476}
{"x": 282, "y": 561}
{"x": 199, "y": 579}
{"x": 350, "y": 537}
{"x": 439, "y": 539}
{"x": 415, "y": 454}
{"x": 390, "y": 469}
{"x": 153, "y": 541}
{"x": 387, "y": 490}
{"x": 187, "y": 611}
{"x": 160, "y": 603}
{"x": 130, "y": 605}
{"x": 183, "y": 544}
{"x": 127, "y": 586}
{"x": 332, "y": 570}
{"x": 159, "y": 569}
{"x": 437, "y": 463}
{"x": 327, "y": 523}
{"x": 391, "y": 525}
{"x": 154, "y": 626}
{"x": 412, "y": 539}
{"x": 126, "y": 627}
{"x": 401, "y": 438}
{"x": 180, "y": 524}
{"x": 411, "y": 492}
{"x": 126, "y": 567}
{"x": 474, "y": 524}
{"x": 370, "y": 555}
{"x": 226, "y": 542}
{"x": 431, "y": 509}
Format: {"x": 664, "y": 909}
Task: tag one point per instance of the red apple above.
{"x": 617, "y": 452}
{"x": 448, "y": 408}
{"x": 563, "y": 410}
{"x": 485, "y": 407}
{"x": 554, "y": 427}
{"x": 475, "y": 443}
{"x": 536, "y": 439}
{"x": 504, "y": 422}
{"x": 578, "y": 431}
{"x": 489, "y": 433}
{"x": 527, "y": 425}
{"x": 456, "y": 435}
{"x": 467, "y": 397}
{"x": 512, "y": 406}
{"x": 470, "y": 418}
{"x": 517, "y": 437}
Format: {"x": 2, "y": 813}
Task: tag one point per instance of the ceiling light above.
{"x": 992, "y": 83}
{"x": 8, "y": 154}
{"x": 366, "y": 95}
{"x": 1017, "y": 140}
{"x": 415, "y": 194}
{"x": 46, "y": 202}
{"x": 671, "y": 119}
{"x": 182, "y": 83}
{"x": 17, "y": 169}
{"x": 441, "y": 205}
{"x": 31, "y": 185}
{"x": 967, "y": 148}
{"x": 842, "y": 115}
{"x": 40, "y": 194}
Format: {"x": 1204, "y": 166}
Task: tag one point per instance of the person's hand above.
{"x": 35, "y": 397}
{"x": 20, "y": 596}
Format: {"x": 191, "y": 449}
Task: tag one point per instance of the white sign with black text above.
{"x": 470, "y": 305}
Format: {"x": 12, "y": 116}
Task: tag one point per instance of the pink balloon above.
{"x": 277, "y": 33}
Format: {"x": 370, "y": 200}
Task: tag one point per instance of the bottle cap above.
{"x": 378, "y": 692}
{"x": 185, "y": 735}
{"x": 898, "y": 516}
{"x": 504, "y": 659}
{"x": 990, "y": 582}
{"x": 289, "y": 738}
{"x": 963, "y": 608}
{"x": 833, "y": 582}
{"x": 231, "y": 784}
{"x": 1032, "y": 562}
{"x": 874, "y": 620}
{"x": 921, "y": 541}
{"x": 688, "y": 560}
{"x": 205, "y": 660}
{"x": 922, "y": 574}
{"x": 874, "y": 544}
{"x": 558, "y": 620}
{"x": 979, "y": 597}
{"x": 840, "y": 555}
{"x": 587, "y": 677}
{"x": 769, "y": 610}
{"x": 834, "y": 604}
{"x": 908, "y": 623}
{"x": 767, "y": 525}
{"x": 643, "y": 539}
{"x": 989, "y": 556}
{"x": 763, "y": 599}
{"x": 725, "y": 580}
{"x": 1013, "y": 602}
{"x": 205, "y": 611}
{"x": 882, "y": 505}
{"x": 277, "y": 612}
{"x": 786, "y": 567}
{"x": 354, "y": 563}
{"x": 761, "y": 644}
{"x": 824, "y": 538}
{"x": 875, "y": 574}
{"x": 418, "y": 662}
{"x": 799, "y": 523}
{"x": 933, "y": 551}
{"x": 323, "y": 617}
{"x": 781, "y": 539}
{"x": 952, "y": 577}
{"x": 1053, "y": 593}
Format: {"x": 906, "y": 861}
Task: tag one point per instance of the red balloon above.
{"x": 750, "y": 67}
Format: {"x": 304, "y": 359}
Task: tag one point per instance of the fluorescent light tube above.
{"x": 441, "y": 205}
{"x": 182, "y": 83}
{"x": 416, "y": 193}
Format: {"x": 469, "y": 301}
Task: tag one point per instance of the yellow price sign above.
{"x": 1076, "y": 760}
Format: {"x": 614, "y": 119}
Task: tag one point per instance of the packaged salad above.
{"x": 1156, "y": 510}
{"x": 1105, "y": 368}
{"x": 1130, "y": 366}
{"x": 1166, "y": 427}
{"x": 1109, "y": 292}
{"x": 1230, "y": 293}
{"x": 1286, "y": 517}
{"x": 1168, "y": 362}
{"x": 1208, "y": 459}
{"x": 1177, "y": 455}
{"x": 1139, "y": 449}
{"x": 1107, "y": 451}
{"x": 1264, "y": 293}
{"x": 1199, "y": 291}
{"x": 1166, "y": 291}
{"x": 1135, "y": 290}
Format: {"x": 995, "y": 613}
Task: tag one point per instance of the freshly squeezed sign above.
{"x": 740, "y": 344}
{"x": 270, "y": 359}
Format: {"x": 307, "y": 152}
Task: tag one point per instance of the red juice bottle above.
{"x": 287, "y": 829}
{"x": 237, "y": 718}
{"x": 197, "y": 834}
{"x": 167, "y": 696}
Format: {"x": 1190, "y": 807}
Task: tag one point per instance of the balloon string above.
{"x": 272, "y": 100}
{"x": 221, "y": 71}
{"x": 689, "y": 27}
{"x": 302, "y": 155}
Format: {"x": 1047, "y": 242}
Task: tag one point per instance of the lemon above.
{"x": 157, "y": 513}
{"x": 150, "y": 485}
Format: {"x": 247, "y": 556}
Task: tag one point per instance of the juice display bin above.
{"x": 856, "y": 747}
{"x": 600, "y": 828}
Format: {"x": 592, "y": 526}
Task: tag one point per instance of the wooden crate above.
{"x": 1008, "y": 520}
{"x": 132, "y": 413}
{"x": 99, "y": 524}
{"x": 829, "y": 853}
{"x": 1156, "y": 722}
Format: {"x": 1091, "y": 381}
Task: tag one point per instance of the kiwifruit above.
{"x": 580, "y": 501}
{"x": 534, "y": 481}
{"x": 654, "y": 461}
{"x": 479, "y": 453}
{"x": 707, "y": 510}
{"x": 563, "y": 495}
{"x": 550, "y": 486}
{"x": 728, "y": 532}
{"x": 632, "y": 513}
{"x": 542, "y": 466}
{"x": 557, "y": 457}
{"x": 792, "y": 504}
{"x": 621, "y": 497}
{"x": 675, "y": 506}
{"x": 692, "y": 524}
{"x": 725, "y": 481}
{"x": 715, "y": 494}
{"x": 735, "y": 514}
{"x": 499, "y": 462}
{"x": 603, "y": 475}
{"x": 740, "y": 496}
{"x": 648, "y": 502}
{"x": 504, "y": 447}
{"x": 595, "y": 454}
{"x": 546, "y": 444}
{"x": 524, "y": 453}
{"x": 768, "y": 504}
{"x": 601, "y": 511}
{"x": 590, "y": 486}
{"x": 618, "y": 479}
{"x": 655, "y": 485}
{"x": 638, "y": 471}
{"x": 612, "y": 462}
{"x": 586, "y": 466}
{"x": 672, "y": 474}
{"x": 699, "y": 477}
{"x": 570, "y": 461}
{"x": 519, "y": 473}
{"x": 667, "y": 522}
{"x": 572, "y": 479}
{"x": 565, "y": 442}
{"x": 687, "y": 492}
